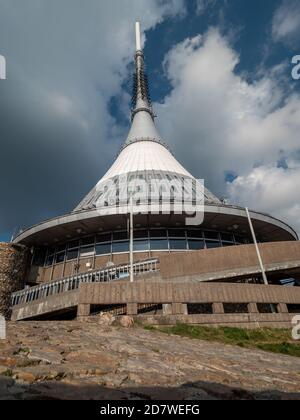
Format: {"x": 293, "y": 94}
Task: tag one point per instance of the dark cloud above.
{"x": 65, "y": 60}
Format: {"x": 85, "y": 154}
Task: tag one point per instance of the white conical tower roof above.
{"x": 144, "y": 155}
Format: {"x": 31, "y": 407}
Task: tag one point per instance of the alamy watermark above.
{"x": 2, "y": 328}
{"x": 153, "y": 193}
{"x": 2, "y": 67}
{"x": 296, "y": 68}
{"x": 296, "y": 329}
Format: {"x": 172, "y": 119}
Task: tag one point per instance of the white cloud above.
{"x": 217, "y": 122}
{"x": 272, "y": 189}
{"x": 286, "y": 21}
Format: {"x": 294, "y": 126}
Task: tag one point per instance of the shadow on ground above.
{"x": 57, "y": 390}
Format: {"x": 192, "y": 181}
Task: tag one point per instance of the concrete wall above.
{"x": 175, "y": 298}
{"x": 13, "y": 267}
{"x": 235, "y": 259}
{"x": 247, "y": 321}
{"x": 169, "y": 292}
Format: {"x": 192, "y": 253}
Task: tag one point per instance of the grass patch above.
{"x": 267, "y": 339}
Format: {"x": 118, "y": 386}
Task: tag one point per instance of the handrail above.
{"x": 73, "y": 282}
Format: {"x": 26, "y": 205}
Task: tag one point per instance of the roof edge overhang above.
{"x": 65, "y": 227}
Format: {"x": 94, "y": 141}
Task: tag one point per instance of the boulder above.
{"x": 126, "y": 321}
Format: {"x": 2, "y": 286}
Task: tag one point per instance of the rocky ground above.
{"x": 71, "y": 360}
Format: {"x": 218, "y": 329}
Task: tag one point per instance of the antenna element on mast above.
{"x": 138, "y": 36}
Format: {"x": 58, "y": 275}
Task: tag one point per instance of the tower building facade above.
{"x": 95, "y": 234}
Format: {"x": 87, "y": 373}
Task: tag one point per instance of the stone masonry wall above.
{"x": 13, "y": 266}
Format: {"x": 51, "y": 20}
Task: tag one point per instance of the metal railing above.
{"x": 72, "y": 283}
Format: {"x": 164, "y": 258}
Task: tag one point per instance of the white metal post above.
{"x": 257, "y": 248}
{"x": 131, "y": 238}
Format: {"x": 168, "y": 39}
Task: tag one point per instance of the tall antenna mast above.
{"x": 141, "y": 100}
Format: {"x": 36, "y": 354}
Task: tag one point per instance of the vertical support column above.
{"x": 167, "y": 309}
{"x": 218, "y": 308}
{"x": 282, "y": 308}
{"x": 83, "y": 312}
{"x": 179, "y": 309}
{"x": 132, "y": 308}
{"x": 252, "y": 308}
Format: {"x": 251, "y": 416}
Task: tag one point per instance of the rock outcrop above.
{"x": 70, "y": 360}
{"x": 13, "y": 266}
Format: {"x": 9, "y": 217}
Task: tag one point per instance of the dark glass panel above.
{"x": 60, "y": 248}
{"x": 141, "y": 245}
{"x": 39, "y": 257}
{"x": 227, "y": 237}
{"x": 140, "y": 234}
{"x": 120, "y": 247}
{"x": 118, "y": 236}
{"x": 60, "y": 257}
{"x": 194, "y": 245}
{"x": 194, "y": 233}
{"x": 212, "y": 244}
{"x": 178, "y": 244}
{"x": 103, "y": 238}
{"x": 49, "y": 260}
{"x": 72, "y": 254}
{"x": 73, "y": 244}
{"x": 158, "y": 233}
{"x": 103, "y": 249}
{"x": 176, "y": 233}
{"x": 159, "y": 244}
{"x": 211, "y": 235}
{"x": 86, "y": 250}
{"x": 88, "y": 241}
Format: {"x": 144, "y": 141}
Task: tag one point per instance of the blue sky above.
{"x": 220, "y": 79}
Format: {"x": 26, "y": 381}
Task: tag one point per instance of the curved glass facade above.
{"x": 145, "y": 240}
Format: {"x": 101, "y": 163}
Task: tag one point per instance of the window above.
{"x": 39, "y": 257}
{"x": 195, "y": 234}
{"x": 49, "y": 260}
{"x": 212, "y": 244}
{"x": 227, "y": 237}
{"x": 103, "y": 249}
{"x": 141, "y": 245}
{"x": 240, "y": 239}
{"x": 73, "y": 244}
{"x": 177, "y": 233}
{"x": 59, "y": 258}
{"x": 61, "y": 248}
{"x": 211, "y": 235}
{"x": 178, "y": 244}
{"x": 158, "y": 233}
{"x": 88, "y": 241}
{"x": 103, "y": 238}
{"x": 118, "y": 236}
{"x": 194, "y": 244}
{"x": 87, "y": 251}
{"x": 120, "y": 247}
{"x": 159, "y": 244}
{"x": 139, "y": 234}
{"x": 72, "y": 254}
